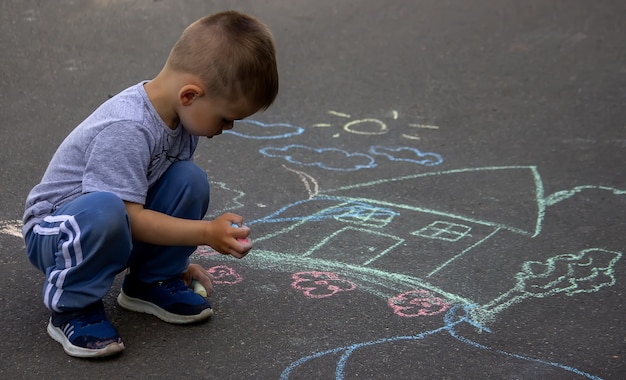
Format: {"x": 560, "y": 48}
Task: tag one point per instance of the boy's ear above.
{"x": 188, "y": 93}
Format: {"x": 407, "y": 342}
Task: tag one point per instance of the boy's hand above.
{"x": 196, "y": 272}
{"x": 229, "y": 240}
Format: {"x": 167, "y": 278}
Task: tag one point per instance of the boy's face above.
{"x": 209, "y": 116}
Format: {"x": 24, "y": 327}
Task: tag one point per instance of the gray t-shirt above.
{"x": 124, "y": 147}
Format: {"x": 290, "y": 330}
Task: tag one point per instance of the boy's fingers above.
{"x": 200, "y": 279}
{"x": 242, "y": 250}
{"x": 203, "y": 286}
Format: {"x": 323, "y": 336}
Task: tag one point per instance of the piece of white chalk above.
{"x": 198, "y": 288}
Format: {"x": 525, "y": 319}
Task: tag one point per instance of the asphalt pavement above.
{"x": 438, "y": 191}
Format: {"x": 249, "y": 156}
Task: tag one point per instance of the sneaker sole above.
{"x": 141, "y": 306}
{"x": 81, "y": 352}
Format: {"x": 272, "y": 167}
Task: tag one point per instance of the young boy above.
{"x": 122, "y": 191}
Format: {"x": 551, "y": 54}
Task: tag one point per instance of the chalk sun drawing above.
{"x": 371, "y": 126}
{"x": 320, "y": 284}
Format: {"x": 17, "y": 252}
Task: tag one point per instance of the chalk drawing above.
{"x": 417, "y": 303}
{"x": 355, "y": 126}
{"x": 457, "y": 315}
{"x": 325, "y": 158}
{"x": 415, "y": 136}
{"x": 310, "y": 183}
{"x": 530, "y": 193}
{"x": 371, "y": 126}
{"x": 585, "y": 272}
{"x": 361, "y": 224}
{"x": 341, "y": 160}
{"x": 257, "y": 130}
{"x": 425, "y": 126}
{"x": 353, "y": 236}
{"x": 446, "y": 231}
{"x": 333, "y": 158}
{"x": 233, "y": 201}
{"x": 349, "y": 231}
{"x": 414, "y": 155}
{"x": 11, "y": 227}
{"x": 340, "y": 114}
{"x": 566, "y": 194}
{"x": 411, "y": 137}
{"x": 205, "y": 252}
{"x": 463, "y": 252}
{"x": 223, "y": 274}
{"x": 320, "y": 284}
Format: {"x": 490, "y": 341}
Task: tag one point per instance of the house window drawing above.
{"x": 444, "y": 231}
{"x": 363, "y": 214}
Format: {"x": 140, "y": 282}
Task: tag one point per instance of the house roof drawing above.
{"x": 506, "y": 197}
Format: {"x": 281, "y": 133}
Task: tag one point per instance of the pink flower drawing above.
{"x": 320, "y": 284}
{"x": 223, "y": 274}
{"x": 418, "y": 303}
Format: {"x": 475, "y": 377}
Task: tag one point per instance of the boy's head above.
{"x": 233, "y": 54}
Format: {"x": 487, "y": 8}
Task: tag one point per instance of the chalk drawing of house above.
{"x": 414, "y": 225}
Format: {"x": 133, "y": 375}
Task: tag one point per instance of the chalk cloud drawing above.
{"x": 406, "y": 154}
{"x": 334, "y": 158}
{"x": 256, "y": 130}
{"x": 325, "y": 158}
{"x": 341, "y": 160}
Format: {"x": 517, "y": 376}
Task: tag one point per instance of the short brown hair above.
{"x": 232, "y": 53}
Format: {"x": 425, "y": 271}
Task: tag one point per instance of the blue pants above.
{"x": 85, "y": 243}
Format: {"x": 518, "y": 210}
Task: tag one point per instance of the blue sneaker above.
{"x": 172, "y": 301}
{"x": 86, "y": 333}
